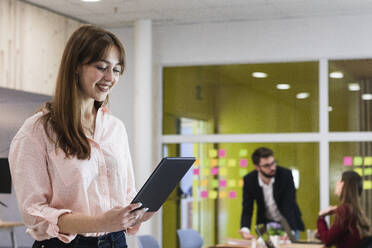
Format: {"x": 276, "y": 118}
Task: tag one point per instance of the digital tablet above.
{"x": 162, "y": 182}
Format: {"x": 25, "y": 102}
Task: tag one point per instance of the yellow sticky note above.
{"x": 240, "y": 183}
{"x": 212, "y": 153}
{"x": 243, "y": 152}
{"x": 212, "y": 194}
{"x": 231, "y": 183}
{"x": 367, "y": 160}
{"x": 368, "y": 172}
{"x": 222, "y": 162}
{"x": 231, "y": 162}
{"x": 195, "y": 183}
{"x": 223, "y": 194}
{"x": 358, "y": 161}
{"x": 205, "y": 172}
{"x": 223, "y": 172}
{"x": 359, "y": 171}
{"x": 367, "y": 184}
{"x": 214, "y": 162}
{"x": 204, "y": 182}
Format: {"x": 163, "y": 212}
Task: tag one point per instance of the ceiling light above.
{"x": 259, "y": 74}
{"x": 302, "y": 95}
{"x": 354, "y": 87}
{"x": 283, "y": 86}
{"x": 90, "y": 0}
{"x": 367, "y": 96}
{"x": 336, "y": 74}
{"x": 330, "y": 108}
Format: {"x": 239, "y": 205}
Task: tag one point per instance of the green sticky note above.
{"x": 222, "y": 162}
{"x": 215, "y": 183}
{"x": 243, "y": 152}
{"x": 358, "y": 161}
{"x": 367, "y": 184}
{"x": 243, "y": 172}
{"x": 359, "y": 171}
{"x": 368, "y": 172}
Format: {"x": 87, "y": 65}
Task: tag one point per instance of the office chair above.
{"x": 147, "y": 241}
{"x": 189, "y": 238}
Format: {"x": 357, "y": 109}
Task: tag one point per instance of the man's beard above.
{"x": 268, "y": 175}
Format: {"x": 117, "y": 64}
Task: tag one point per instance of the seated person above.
{"x": 350, "y": 225}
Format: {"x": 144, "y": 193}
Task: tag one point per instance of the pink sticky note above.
{"x": 196, "y": 171}
{"x": 232, "y": 194}
{"x": 221, "y": 153}
{"x": 348, "y": 161}
{"x": 222, "y": 183}
{"x": 204, "y": 194}
{"x": 243, "y": 162}
{"x": 214, "y": 171}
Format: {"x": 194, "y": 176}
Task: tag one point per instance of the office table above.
{"x": 281, "y": 246}
{"x": 9, "y": 226}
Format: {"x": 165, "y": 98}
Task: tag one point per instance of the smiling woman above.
{"x": 73, "y": 189}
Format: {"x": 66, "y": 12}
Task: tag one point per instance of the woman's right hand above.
{"x": 120, "y": 218}
{"x": 328, "y": 211}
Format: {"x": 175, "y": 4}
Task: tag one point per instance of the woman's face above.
{"x": 338, "y": 188}
{"x": 97, "y": 79}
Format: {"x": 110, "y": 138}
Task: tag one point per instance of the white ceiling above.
{"x": 117, "y": 13}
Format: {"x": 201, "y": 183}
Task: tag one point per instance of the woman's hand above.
{"x": 120, "y": 218}
{"x": 328, "y": 211}
{"x": 133, "y": 229}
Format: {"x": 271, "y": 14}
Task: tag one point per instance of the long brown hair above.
{"x": 350, "y": 196}
{"x": 62, "y": 117}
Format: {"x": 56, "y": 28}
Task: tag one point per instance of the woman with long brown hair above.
{"x": 351, "y": 225}
{"x": 70, "y": 162}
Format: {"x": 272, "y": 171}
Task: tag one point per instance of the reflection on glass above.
{"x": 350, "y": 88}
{"x": 355, "y": 156}
{"x": 217, "y": 185}
{"x": 231, "y": 99}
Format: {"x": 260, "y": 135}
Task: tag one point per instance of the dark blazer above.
{"x": 284, "y": 196}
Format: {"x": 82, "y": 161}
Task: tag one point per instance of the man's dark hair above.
{"x": 262, "y": 152}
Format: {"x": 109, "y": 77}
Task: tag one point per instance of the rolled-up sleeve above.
{"x": 31, "y": 180}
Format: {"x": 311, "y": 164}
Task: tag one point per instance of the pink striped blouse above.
{"x": 48, "y": 185}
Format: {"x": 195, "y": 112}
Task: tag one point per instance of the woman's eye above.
{"x": 116, "y": 70}
{"x": 101, "y": 68}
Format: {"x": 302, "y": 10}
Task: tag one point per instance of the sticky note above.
{"x": 212, "y": 153}
{"x": 195, "y": 183}
{"x": 196, "y": 171}
{"x": 359, "y": 171}
{"x": 223, "y": 194}
{"x": 368, "y": 171}
{"x": 206, "y": 162}
{"x": 348, "y": 161}
{"x": 222, "y": 162}
{"x": 221, "y": 153}
{"x": 204, "y": 194}
{"x": 214, "y": 171}
{"x": 367, "y": 184}
{"x": 358, "y": 161}
{"x": 232, "y": 194}
{"x": 213, "y": 194}
{"x": 205, "y": 172}
{"x": 231, "y": 162}
{"x": 231, "y": 183}
{"x": 197, "y": 162}
{"x": 368, "y": 161}
{"x": 223, "y": 172}
{"x": 204, "y": 182}
{"x": 240, "y": 182}
{"x": 223, "y": 183}
{"x": 243, "y": 162}
{"x": 215, "y": 183}
{"x": 243, "y": 152}
{"x": 214, "y": 162}
{"x": 243, "y": 172}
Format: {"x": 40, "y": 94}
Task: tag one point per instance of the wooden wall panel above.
{"x": 31, "y": 45}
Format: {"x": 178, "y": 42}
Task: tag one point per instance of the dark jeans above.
{"x": 110, "y": 240}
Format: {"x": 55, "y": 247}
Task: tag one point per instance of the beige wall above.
{"x": 31, "y": 46}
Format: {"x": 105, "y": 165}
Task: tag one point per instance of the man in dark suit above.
{"x": 272, "y": 187}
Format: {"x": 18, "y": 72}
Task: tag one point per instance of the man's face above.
{"x": 267, "y": 167}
